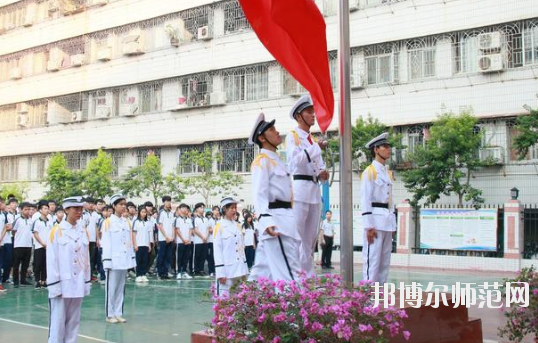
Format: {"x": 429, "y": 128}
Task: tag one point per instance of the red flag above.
{"x": 294, "y": 33}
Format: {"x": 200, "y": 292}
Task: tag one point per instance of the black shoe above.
{"x": 330, "y": 267}
{"x": 15, "y": 285}
{"x": 38, "y": 286}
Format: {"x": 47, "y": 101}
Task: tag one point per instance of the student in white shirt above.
{"x": 250, "y": 242}
{"x": 183, "y": 225}
{"x": 4, "y": 226}
{"x": 230, "y": 263}
{"x": 41, "y": 230}
{"x": 165, "y": 222}
{"x": 22, "y": 247}
{"x": 7, "y": 248}
{"x": 143, "y": 243}
{"x": 327, "y": 228}
{"x": 201, "y": 237}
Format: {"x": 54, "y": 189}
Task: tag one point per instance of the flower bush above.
{"x": 306, "y": 311}
{"x": 523, "y": 321}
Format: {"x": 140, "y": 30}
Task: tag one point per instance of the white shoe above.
{"x": 178, "y": 276}
{"x": 186, "y": 276}
{"x": 120, "y": 319}
{"x": 112, "y": 320}
{"x": 170, "y": 275}
{"x": 145, "y": 278}
{"x": 139, "y": 279}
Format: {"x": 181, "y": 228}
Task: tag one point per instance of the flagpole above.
{"x": 346, "y": 204}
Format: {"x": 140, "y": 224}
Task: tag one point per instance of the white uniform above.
{"x": 277, "y": 258}
{"x": 90, "y": 220}
{"x": 118, "y": 257}
{"x": 230, "y": 260}
{"x": 305, "y": 160}
{"x": 144, "y": 232}
{"x": 377, "y": 212}
{"x": 68, "y": 279}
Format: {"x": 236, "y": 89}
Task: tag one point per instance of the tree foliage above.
{"x": 60, "y": 181}
{"x": 445, "y": 165}
{"x": 528, "y": 132}
{"x": 97, "y": 177}
{"x": 19, "y": 190}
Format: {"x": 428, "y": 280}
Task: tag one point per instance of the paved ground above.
{"x": 168, "y": 311}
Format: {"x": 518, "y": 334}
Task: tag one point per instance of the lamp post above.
{"x": 514, "y": 193}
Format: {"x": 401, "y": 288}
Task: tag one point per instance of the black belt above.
{"x": 279, "y": 204}
{"x": 380, "y": 204}
{"x": 306, "y": 178}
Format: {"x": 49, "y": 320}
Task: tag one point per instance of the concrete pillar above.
{"x": 406, "y": 228}
{"x": 513, "y": 229}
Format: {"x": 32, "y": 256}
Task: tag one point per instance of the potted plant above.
{"x": 523, "y": 321}
{"x": 306, "y": 311}
{"x": 173, "y": 33}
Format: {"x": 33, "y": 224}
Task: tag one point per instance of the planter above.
{"x": 174, "y": 42}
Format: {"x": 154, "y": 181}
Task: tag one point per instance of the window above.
{"x": 118, "y": 157}
{"x": 531, "y": 45}
{"x": 74, "y": 103}
{"x": 290, "y": 85}
{"x": 333, "y": 68}
{"x": 234, "y": 18}
{"x": 78, "y": 160}
{"x": 195, "y": 90}
{"x": 421, "y": 58}
{"x": 150, "y": 98}
{"x": 184, "y": 165}
{"x": 236, "y": 155}
{"x": 247, "y": 84}
{"x": 379, "y": 69}
{"x": 196, "y": 18}
{"x": 36, "y": 167}
{"x": 142, "y": 154}
{"x": 98, "y": 103}
{"x": 9, "y": 168}
{"x": 416, "y": 137}
{"x": 330, "y": 7}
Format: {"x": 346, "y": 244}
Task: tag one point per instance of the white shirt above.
{"x": 229, "y": 250}
{"x": 202, "y": 224}
{"x": 23, "y": 234}
{"x": 144, "y": 232}
{"x": 90, "y": 220}
{"x": 271, "y": 182}
{"x": 117, "y": 244}
{"x": 212, "y": 224}
{"x": 9, "y": 235}
{"x": 166, "y": 218}
{"x": 185, "y": 227}
{"x": 3, "y": 222}
{"x": 249, "y": 237}
{"x": 304, "y": 158}
{"x": 42, "y": 227}
{"x": 328, "y": 228}
{"x": 376, "y": 187}
{"x": 68, "y": 261}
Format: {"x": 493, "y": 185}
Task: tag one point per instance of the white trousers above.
{"x": 64, "y": 319}
{"x": 225, "y": 289}
{"x": 376, "y": 257}
{"x": 307, "y": 217}
{"x": 114, "y": 292}
{"x": 277, "y": 258}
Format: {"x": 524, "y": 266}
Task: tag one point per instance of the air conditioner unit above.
{"x": 15, "y": 74}
{"x": 10, "y": 26}
{"x": 54, "y": 64}
{"x": 97, "y": 2}
{"x": 54, "y": 5}
{"x": 490, "y": 40}
{"x": 104, "y": 54}
{"x": 353, "y": 5}
{"x": 133, "y": 110}
{"x": 490, "y": 63}
{"x": 76, "y": 116}
{"x": 357, "y": 82}
{"x": 78, "y": 60}
{"x": 23, "y": 120}
{"x": 103, "y": 112}
{"x": 70, "y": 7}
{"x": 22, "y": 108}
{"x": 217, "y": 98}
{"x": 133, "y": 45}
{"x": 495, "y": 153}
{"x": 203, "y": 33}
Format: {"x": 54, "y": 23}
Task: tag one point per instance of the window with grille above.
{"x": 290, "y": 85}
{"x": 8, "y": 117}
{"x": 421, "y": 59}
{"x": 379, "y": 69}
{"x": 150, "y": 98}
{"x": 416, "y": 137}
{"x": 142, "y": 154}
{"x": 333, "y": 68}
{"x": 9, "y": 168}
{"x": 74, "y": 103}
{"x": 234, "y": 18}
{"x": 196, "y": 18}
{"x": 78, "y": 160}
{"x": 236, "y": 155}
{"x": 247, "y": 84}
{"x": 118, "y": 158}
{"x": 195, "y": 90}
{"x": 185, "y": 166}
{"x": 531, "y": 44}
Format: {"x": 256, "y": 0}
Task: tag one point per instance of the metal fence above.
{"x": 530, "y": 221}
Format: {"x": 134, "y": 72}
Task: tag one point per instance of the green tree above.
{"x": 97, "y": 177}
{"x": 446, "y": 163}
{"x": 60, "y": 181}
{"x": 207, "y": 183}
{"x": 146, "y": 180}
{"x": 528, "y": 132}
{"x": 19, "y": 190}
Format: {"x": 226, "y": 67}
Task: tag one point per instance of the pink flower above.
{"x": 276, "y": 340}
{"x": 407, "y": 335}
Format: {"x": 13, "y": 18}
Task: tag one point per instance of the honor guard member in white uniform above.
{"x": 230, "y": 261}
{"x": 306, "y": 165}
{"x": 378, "y": 218}
{"x": 68, "y": 273}
{"x": 277, "y": 256}
{"x": 118, "y": 257}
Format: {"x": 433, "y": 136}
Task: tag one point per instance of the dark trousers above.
{"x": 102, "y": 275}
{"x": 327, "y": 251}
{"x": 142, "y": 259}
{"x": 200, "y": 255}
{"x": 250, "y": 253}
{"x": 191, "y": 259}
{"x": 40, "y": 265}
{"x": 173, "y": 258}
{"x": 183, "y": 254}
{"x": 93, "y": 257}
{"x": 210, "y": 258}
{"x": 21, "y": 259}
{"x": 163, "y": 257}
{"x": 7, "y": 261}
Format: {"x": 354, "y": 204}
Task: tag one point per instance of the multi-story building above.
{"x": 169, "y": 76}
